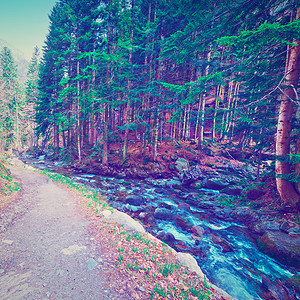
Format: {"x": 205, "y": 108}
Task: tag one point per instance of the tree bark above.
{"x": 286, "y": 188}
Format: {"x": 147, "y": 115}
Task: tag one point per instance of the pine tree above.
{"x": 11, "y": 96}
{"x": 31, "y": 93}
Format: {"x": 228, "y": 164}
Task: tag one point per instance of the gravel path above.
{"x": 46, "y": 252}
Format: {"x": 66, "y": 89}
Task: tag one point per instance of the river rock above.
{"x": 199, "y": 184}
{"x": 163, "y": 213}
{"x": 135, "y": 200}
{"x": 282, "y": 247}
{"x": 189, "y": 261}
{"x": 181, "y": 246}
{"x": 197, "y": 230}
{"x": 226, "y": 247}
{"x": 165, "y": 236}
{"x": 217, "y": 183}
{"x": 266, "y": 225}
{"x": 276, "y": 289}
{"x": 190, "y": 175}
{"x": 182, "y": 223}
{"x": 234, "y": 190}
{"x": 294, "y": 282}
{"x": 184, "y": 206}
{"x": 245, "y": 215}
{"x": 181, "y": 164}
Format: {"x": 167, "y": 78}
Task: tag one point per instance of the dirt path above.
{"x": 47, "y": 251}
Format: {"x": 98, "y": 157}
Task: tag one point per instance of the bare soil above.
{"x": 46, "y": 250}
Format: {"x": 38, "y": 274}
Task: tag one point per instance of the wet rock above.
{"x": 217, "y": 183}
{"x": 197, "y": 184}
{"x": 199, "y": 252}
{"x": 226, "y": 247}
{"x": 132, "y": 208}
{"x": 163, "y": 213}
{"x": 181, "y": 246}
{"x": 172, "y": 183}
{"x": 142, "y": 215}
{"x": 223, "y": 213}
{"x": 206, "y": 204}
{"x": 182, "y": 223}
{"x": 245, "y": 215}
{"x": 165, "y": 205}
{"x": 294, "y": 282}
{"x": 165, "y": 236}
{"x": 197, "y": 230}
{"x": 276, "y": 290}
{"x": 234, "y": 190}
{"x": 181, "y": 164}
{"x": 290, "y": 227}
{"x": 184, "y": 206}
{"x": 135, "y": 200}
{"x": 282, "y": 247}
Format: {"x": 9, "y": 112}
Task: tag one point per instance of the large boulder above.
{"x": 130, "y": 225}
{"x": 189, "y": 261}
{"x": 282, "y": 247}
{"x": 181, "y": 164}
{"x": 187, "y": 176}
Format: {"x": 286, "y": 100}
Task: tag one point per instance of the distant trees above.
{"x": 143, "y": 72}
{"x": 31, "y": 97}
{"x": 10, "y": 99}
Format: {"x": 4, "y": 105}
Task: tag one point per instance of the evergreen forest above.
{"x": 179, "y": 119}
{"x": 126, "y": 79}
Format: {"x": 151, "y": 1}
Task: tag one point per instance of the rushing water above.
{"x": 238, "y": 272}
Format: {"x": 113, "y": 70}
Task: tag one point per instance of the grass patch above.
{"x": 8, "y": 186}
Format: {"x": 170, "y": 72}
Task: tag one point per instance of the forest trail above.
{"x": 48, "y": 252}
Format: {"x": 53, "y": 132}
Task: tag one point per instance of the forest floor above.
{"x": 53, "y": 245}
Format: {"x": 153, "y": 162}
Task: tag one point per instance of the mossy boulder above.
{"x": 282, "y": 247}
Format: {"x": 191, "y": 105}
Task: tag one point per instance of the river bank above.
{"x": 198, "y": 223}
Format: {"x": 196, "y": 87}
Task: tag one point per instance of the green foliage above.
{"x": 168, "y": 269}
{"x": 7, "y": 183}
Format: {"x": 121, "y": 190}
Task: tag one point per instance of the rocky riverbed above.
{"x": 194, "y": 212}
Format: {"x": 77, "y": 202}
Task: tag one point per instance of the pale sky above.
{"x": 24, "y": 23}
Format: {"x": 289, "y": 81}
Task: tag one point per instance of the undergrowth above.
{"x": 8, "y": 185}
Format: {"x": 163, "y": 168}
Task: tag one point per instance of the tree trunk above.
{"x": 286, "y": 188}
{"x": 78, "y": 115}
{"x": 127, "y": 119}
